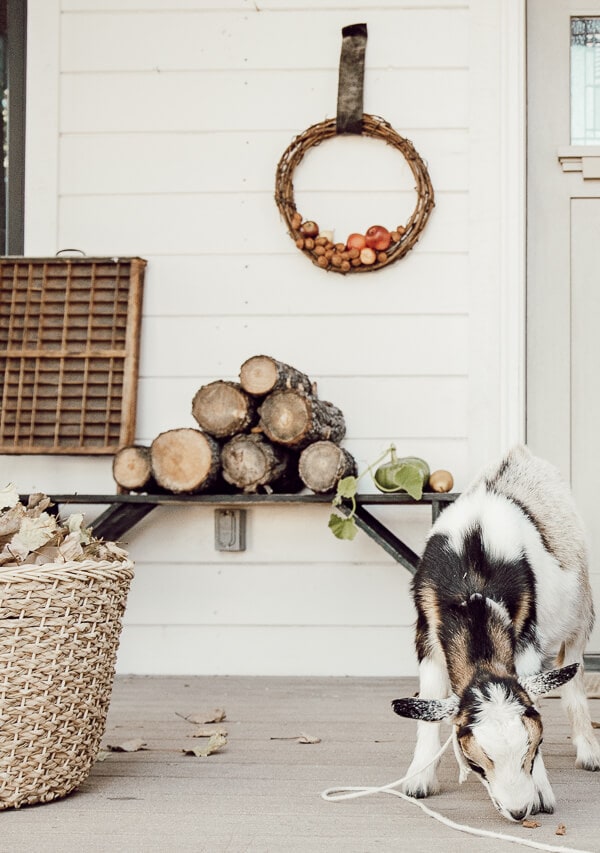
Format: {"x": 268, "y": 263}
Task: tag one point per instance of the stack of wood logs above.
{"x": 268, "y": 431}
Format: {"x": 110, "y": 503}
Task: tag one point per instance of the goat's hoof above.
{"x": 588, "y": 759}
{"x": 543, "y": 807}
{"x": 416, "y": 793}
{"x": 420, "y": 790}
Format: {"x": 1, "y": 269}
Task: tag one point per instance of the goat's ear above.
{"x": 431, "y": 710}
{"x": 544, "y": 682}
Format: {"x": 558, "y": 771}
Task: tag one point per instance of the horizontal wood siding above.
{"x": 171, "y": 122}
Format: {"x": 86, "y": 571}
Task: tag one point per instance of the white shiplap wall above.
{"x": 155, "y": 131}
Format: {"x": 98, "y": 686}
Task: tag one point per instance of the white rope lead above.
{"x": 336, "y": 795}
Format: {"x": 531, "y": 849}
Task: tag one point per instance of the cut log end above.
{"x": 258, "y": 374}
{"x": 261, "y": 375}
{"x": 285, "y": 417}
{"x": 323, "y": 464}
{"x": 131, "y": 468}
{"x": 251, "y": 461}
{"x": 223, "y": 409}
{"x": 184, "y": 460}
{"x": 297, "y": 419}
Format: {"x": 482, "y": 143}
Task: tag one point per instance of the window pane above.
{"x": 585, "y": 81}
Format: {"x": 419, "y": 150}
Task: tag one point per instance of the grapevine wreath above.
{"x": 381, "y": 247}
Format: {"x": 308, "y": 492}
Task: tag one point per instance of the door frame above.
{"x": 497, "y": 244}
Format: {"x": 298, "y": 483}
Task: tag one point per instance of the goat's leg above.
{"x": 575, "y": 702}
{"x": 545, "y": 799}
{"x": 433, "y": 684}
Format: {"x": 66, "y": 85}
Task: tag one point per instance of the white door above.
{"x": 563, "y": 250}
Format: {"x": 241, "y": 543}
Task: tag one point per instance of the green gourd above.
{"x": 408, "y": 474}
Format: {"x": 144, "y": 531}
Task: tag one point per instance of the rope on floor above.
{"x": 335, "y": 795}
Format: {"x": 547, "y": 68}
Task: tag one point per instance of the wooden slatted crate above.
{"x": 69, "y": 350}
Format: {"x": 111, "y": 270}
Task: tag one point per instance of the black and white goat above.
{"x": 502, "y": 594}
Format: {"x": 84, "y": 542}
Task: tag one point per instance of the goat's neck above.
{"x": 481, "y": 646}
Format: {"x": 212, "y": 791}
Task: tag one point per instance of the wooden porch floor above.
{"x": 261, "y": 793}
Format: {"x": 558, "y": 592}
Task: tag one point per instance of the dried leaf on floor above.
{"x": 209, "y": 732}
{"x": 132, "y": 745}
{"x": 301, "y": 738}
{"x": 200, "y": 717}
{"x": 561, "y": 829}
{"x": 215, "y": 743}
{"x": 102, "y": 755}
{"x": 304, "y": 738}
{"x": 531, "y": 824}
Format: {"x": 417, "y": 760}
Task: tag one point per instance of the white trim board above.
{"x": 497, "y": 240}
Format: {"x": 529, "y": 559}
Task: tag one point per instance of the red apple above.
{"x": 356, "y": 241}
{"x": 378, "y": 238}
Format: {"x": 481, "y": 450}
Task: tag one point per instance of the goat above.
{"x": 502, "y": 593}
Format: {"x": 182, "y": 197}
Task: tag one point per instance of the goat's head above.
{"x": 497, "y": 734}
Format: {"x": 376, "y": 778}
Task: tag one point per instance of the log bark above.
{"x": 296, "y": 419}
{"x": 223, "y": 409}
{"x": 132, "y": 469}
{"x": 261, "y": 375}
{"x": 323, "y": 463}
{"x": 251, "y": 461}
{"x": 184, "y": 460}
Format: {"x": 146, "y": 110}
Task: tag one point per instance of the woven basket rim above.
{"x": 30, "y": 571}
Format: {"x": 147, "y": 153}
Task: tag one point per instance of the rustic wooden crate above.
{"x": 69, "y": 349}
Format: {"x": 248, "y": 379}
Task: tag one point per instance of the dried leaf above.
{"x": 108, "y": 551}
{"x": 70, "y": 548}
{"x": 215, "y": 743}
{"x": 84, "y": 534}
{"x": 201, "y": 717}
{"x": 595, "y": 725}
{"x": 9, "y": 497}
{"x": 37, "y": 503}
{"x": 132, "y": 745}
{"x": 102, "y": 755}
{"x": 10, "y": 521}
{"x": 561, "y": 829}
{"x": 304, "y": 738}
{"x": 33, "y": 533}
{"x": 531, "y": 824}
{"x": 47, "y": 554}
{"x": 209, "y": 732}
{"x": 301, "y": 738}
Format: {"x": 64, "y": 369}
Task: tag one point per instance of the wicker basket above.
{"x": 60, "y": 626}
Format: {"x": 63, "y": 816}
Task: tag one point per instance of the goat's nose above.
{"x": 518, "y": 814}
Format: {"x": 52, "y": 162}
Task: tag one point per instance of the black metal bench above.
{"x": 126, "y": 510}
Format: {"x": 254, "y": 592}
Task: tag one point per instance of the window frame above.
{"x": 13, "y": 212}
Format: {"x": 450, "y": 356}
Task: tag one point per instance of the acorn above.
{"x": 441, "y": 481}
{"x": 296, "y": 221}
{"x": 309, "y": 229}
